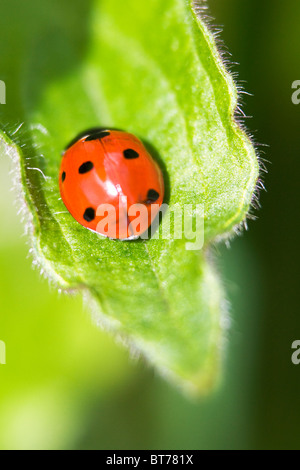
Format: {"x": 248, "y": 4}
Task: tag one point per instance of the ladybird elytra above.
{"x": 104, "y": 176}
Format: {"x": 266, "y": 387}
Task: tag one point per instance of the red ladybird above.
{"x": 110, "y": 184}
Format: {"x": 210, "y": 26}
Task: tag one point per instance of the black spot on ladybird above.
{"x": 97, "y": 135}
{"x": 88, "y": 134}
{"x": 86, "y": 167}
{"x": 63, "y": 176}
{"x": 152, "y": 196}
{"x": 89, "y": 214}
{"x": 130, "y": 154}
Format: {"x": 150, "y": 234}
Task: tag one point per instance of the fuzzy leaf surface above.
{"x": 153, "y": 70}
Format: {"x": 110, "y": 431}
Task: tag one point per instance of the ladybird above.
{"x": 110, "y": 184}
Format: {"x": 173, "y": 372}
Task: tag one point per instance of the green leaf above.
{"x": 152, "y": 70}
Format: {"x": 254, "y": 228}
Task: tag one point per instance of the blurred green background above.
{"x": 67, "y": 385}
